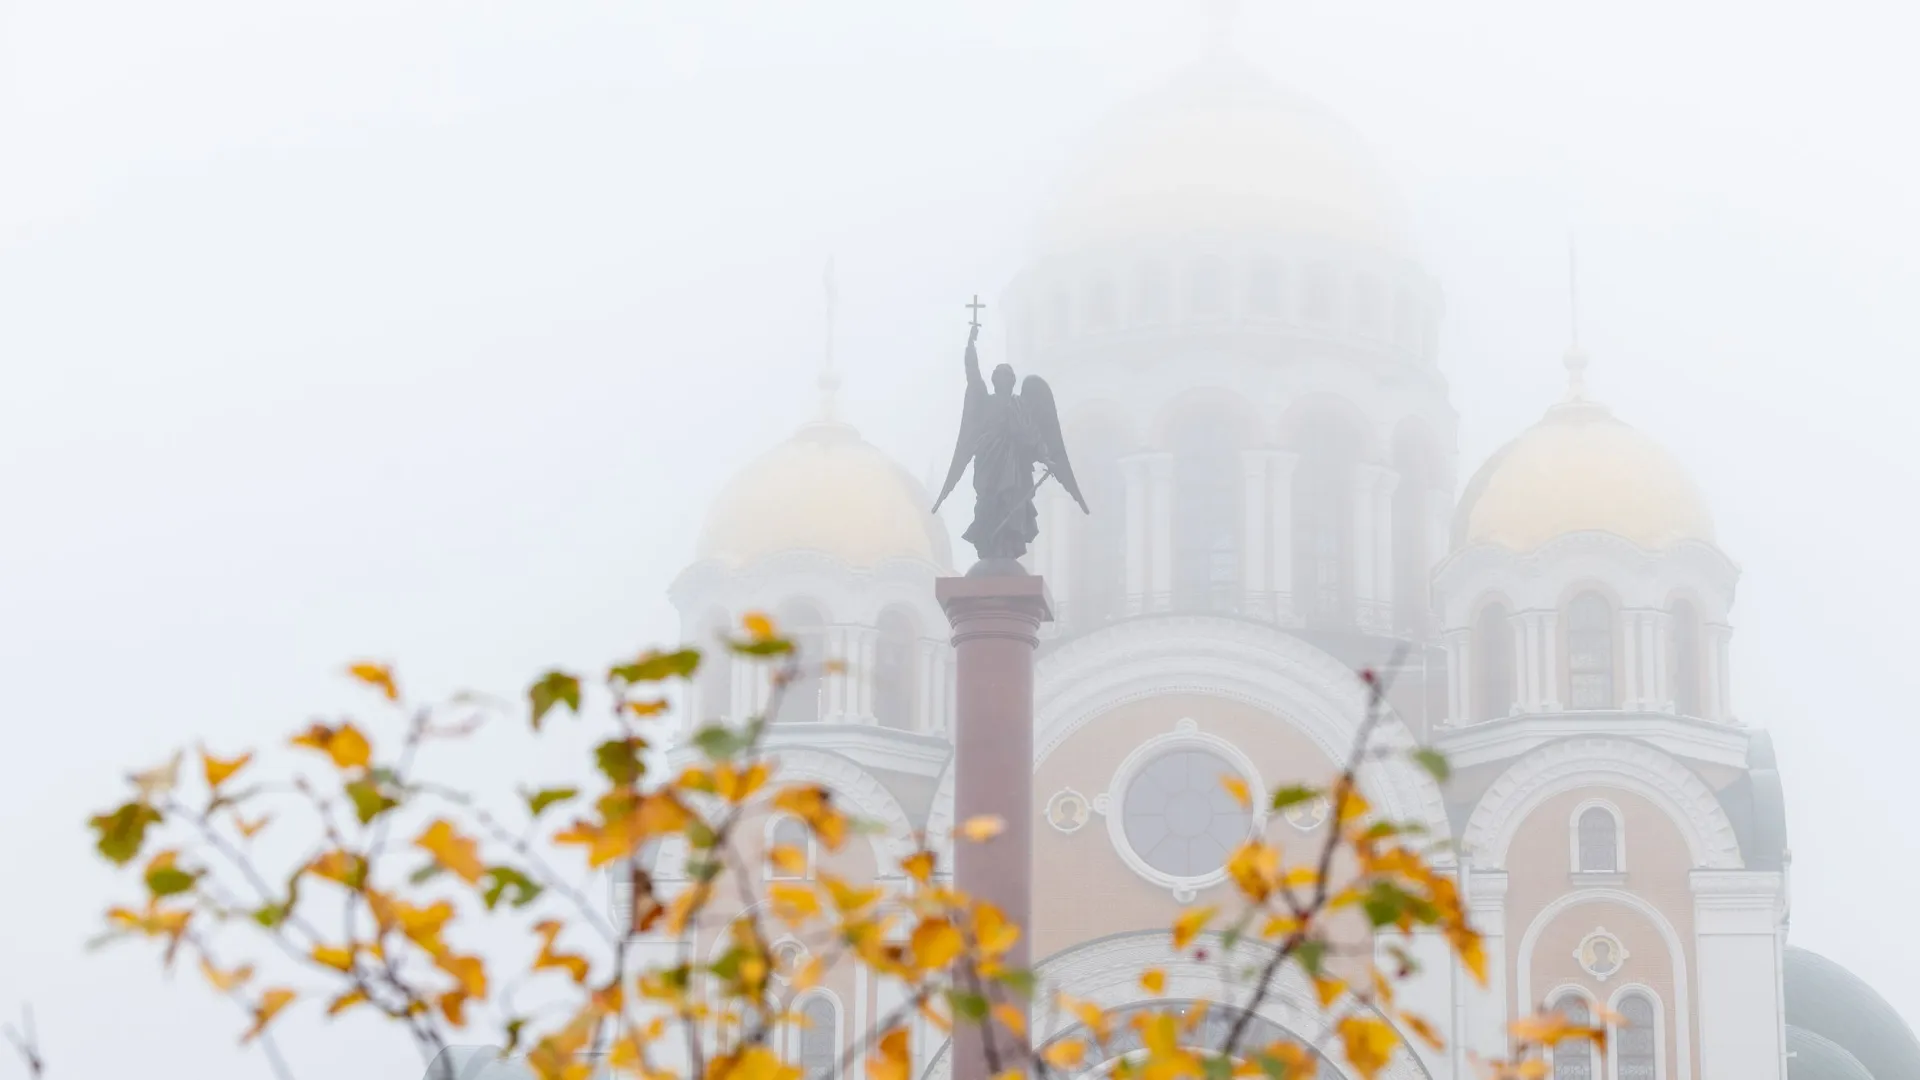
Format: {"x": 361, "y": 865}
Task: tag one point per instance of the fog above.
{"x": 425, "y": 331}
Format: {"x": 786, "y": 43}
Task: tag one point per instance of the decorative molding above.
{"x": 1068, "y": 811}
{"x": 1237, "y": 661}
{"x": 1106, "y": 971}
{"x": 1186, "y": 734}
{"x": 1588, "y": 954}
{"x": 1623, "y": 764}
{"x": 1485, "y": 742}
{"x": 1676, "y": 954}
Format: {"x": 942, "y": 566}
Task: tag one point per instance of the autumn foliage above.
{"x": 340, "y": 881}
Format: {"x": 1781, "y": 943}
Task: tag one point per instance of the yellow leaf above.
{"x": 981, "y": 828}
{"x": 650, "y": 707}
{"x": 1153, "y": 981}
{"x": 470, "y": 971}
{"x": 890, "y": 1059}
{"x": 217, "y": 770}
{"x": 757, "y": 626}
{"x": 345, "y": 745}
{"x": 457, "y": 853}
{"x": 226, "y": 981}
{"x": 1369, "y": 1043}
{"x": 936, "y": 943}
{"x": 249, "y": 829}
{"x": 1279, "y": 926}
{"x": 1328, "y": 989}
{"x": 155, "y": 782}
{"x": 346, "y": 1001}
{"x": 1254, "y": 866}
{"x": 994, "y": 934}
{"x": 270, "y": 1005}
{"x": 1297, "y": 1061}
{"x": 793, "y": 904}
{"x": 1065, "y": 1054}
{"x": 810, "y": 974}
{"x": 1010, "y": 1074}
{"x": 1423, "y": 1030}
{"x": 340, "y": 867}
{"x": 919, "y": 866}
{"x": 813, "y": 804}
{"x": 1011, "y": 1018}
{"x": 334, "y": 957}
{"x": 378, "y": 676}
{"x": 788, "y": 859}
{"x": 738, "y": 785}
{"x": 847, "y": 899}
{"x": 573, "y": 964}
{"x": 1188, "y": 926}
{"x": 1196, "y": 1015}
{"x": 1472, "y": 953}
{"x": 1237, "y": 787}
{"x": 1352, "y": 805}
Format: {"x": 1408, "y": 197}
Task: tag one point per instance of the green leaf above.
{"x": 538, "y": 801}
{"x": 1020, "y": 981}
{"x": 1312, "y": 953}
{"x": 553, "y": 688}
{"x": 620, "y": 760}
{"x": 719, "y": 742}
{"x": 1434, "y": 762}
{"x": 1217, "y": 1067}
{"x": 504, "y": 879}
{"x": 658, "y": 667}
{"x": 426, "y": 873}
{"x": 766, "y": 647}
{"x": 703, "y": 870}
{"x": 271, "y": 915}
{"x": 170, "y": 881}
{"x": 968, "y": 1006}
{"x": 123, "y": 831}
{"x": 369, "y": 801}
{"x": 1294, "y": 795}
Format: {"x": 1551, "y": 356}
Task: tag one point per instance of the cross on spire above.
{"x": 976, "y": 308}
{"x": 829, "y": 381}
{"x": 1575, "y": 360}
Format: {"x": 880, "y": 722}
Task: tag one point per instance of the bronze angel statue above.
{"x": 1005, "y": 435}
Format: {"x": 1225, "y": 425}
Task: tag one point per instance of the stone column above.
{"x": 1460, "y": 681}
{"x": 1486, "y": 1008}
{"x": 996, "y": 627}
{"x": 1365, "y": 542}
{"x": 1160, "y": 483}
{"x": 1253, "y": 534}
{"x": 1058, "y": 569}
{"x": 1280, "y": 475}
{"x": 1550, "y": 661}
{"x": 1384, "y": 484}
{"x": 1134, "y": 470}
{"x": 1737, "y": 916}
{"x": 1632, "y": 662}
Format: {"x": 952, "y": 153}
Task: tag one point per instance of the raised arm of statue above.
{"x": 973, "y": 361}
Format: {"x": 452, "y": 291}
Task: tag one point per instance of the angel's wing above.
{"x": 1036, "y": 402}
{"x": 972, "y": 414}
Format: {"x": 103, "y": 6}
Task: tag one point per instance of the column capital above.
{"x": 995, "y": 606}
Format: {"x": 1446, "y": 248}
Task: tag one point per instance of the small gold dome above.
{"x": 825, "y": 490}
{"x": 1225, "y": 148}
{"x": 1581, "y": 470}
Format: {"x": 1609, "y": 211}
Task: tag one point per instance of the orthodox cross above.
{"x": 976, "y": 307}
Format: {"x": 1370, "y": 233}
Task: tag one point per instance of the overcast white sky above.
{"x": 425, "y": 329}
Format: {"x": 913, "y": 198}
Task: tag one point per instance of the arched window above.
{"x": 1636, "y": 1041}
{"x": 1687, "y": 679}
{"x": 1597, "y": 834}
{"x": 1263, "y": 288}
{"x": 1207, "y": 482}
{"x": 820, "y": 1038}
{"x": 1323, "y": 523}
{"x": 1316, "y": 303}
{"x": 1102, "y": 306}
{"x": 1492, "y": 656}
{"x": 790, "y": 832}
{"x": 1590, "y": 652}
{"x": 1207, "y": 294}
{"x": 1151, "y": 305}
{"x": 716, "y": 670}
{"x": 895, "y": 666}
{"x": 1573, "y": 1057}
{"x": 801, "y": 621}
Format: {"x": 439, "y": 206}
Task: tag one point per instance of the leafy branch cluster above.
{"x": 396, "y": 878}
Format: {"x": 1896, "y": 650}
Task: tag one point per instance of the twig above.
{"x": 27, "y": 1044}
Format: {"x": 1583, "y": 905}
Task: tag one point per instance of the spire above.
{"x": 829, "y": 381}
{"x": 1575, "y": 360}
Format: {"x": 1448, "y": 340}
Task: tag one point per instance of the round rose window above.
{"x": 1177, "y": 816}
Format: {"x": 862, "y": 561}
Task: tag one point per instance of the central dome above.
{"x": 1224, "y": 148}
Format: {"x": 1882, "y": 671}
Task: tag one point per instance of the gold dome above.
{"x": 824, "y": 490}
{"x": 1581, "y": 470}
{"x": 1224, "y": 148}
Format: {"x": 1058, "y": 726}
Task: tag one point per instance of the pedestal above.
{"x": 996, "y": 626}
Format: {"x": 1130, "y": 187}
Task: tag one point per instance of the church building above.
{"x": 1246, "y": 344}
